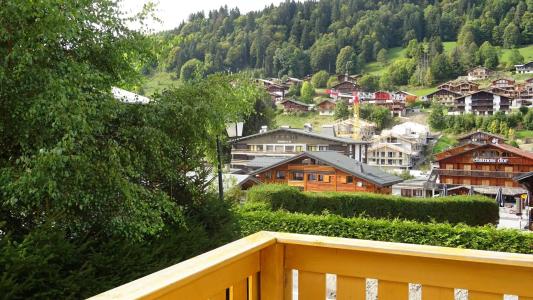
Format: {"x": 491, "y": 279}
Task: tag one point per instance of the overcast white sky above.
{"x": 172, "y": 12}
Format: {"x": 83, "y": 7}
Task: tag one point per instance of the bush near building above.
{"x": 471, "y": 210}
{"x": 254, "y": 219}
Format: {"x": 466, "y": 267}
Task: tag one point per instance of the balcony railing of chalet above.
{"x": 260, "y": 267}
{"x": 479, "y": 173}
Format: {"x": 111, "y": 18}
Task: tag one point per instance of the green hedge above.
{"x": 471, "y": 210}
{"x": 254, "y": 219}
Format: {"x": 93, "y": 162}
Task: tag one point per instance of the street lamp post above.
{"x": 234, "y": 130}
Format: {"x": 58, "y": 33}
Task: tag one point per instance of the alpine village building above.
{"x": 270, "y": 146}
{"x": 483, "y": 162}
{"x": 327, "y": 171}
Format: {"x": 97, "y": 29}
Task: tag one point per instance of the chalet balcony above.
{"x": 261, "y": 266}
{"x": 478, "y": 173}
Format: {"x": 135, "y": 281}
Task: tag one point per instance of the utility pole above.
{"x": 220, "y": 186}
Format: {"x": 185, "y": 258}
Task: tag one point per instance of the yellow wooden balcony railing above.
{"x": 261, "y": 266}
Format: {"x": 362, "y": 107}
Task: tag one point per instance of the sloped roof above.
{"x": 264, "y": 161}
{"x": 470, "y": 147}
{"x": 391, "y": 146}
{"x": 306, "y": 133}
{"x": 443, "y": 89}
{"x": 480, "y": 91}
{"x": 295, "y": 101}
{"x": 464, "y": 136}
{"x": 346, "y": 164}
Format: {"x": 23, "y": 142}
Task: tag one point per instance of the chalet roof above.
{"x": 479, "y": 67}
{"x": 505, "y": 79}
{"x": 443, "y": 89}
{"x": 465, "y": 148}
{"x": 344, "y": 82}
{"x": 481, "y": 91}
{"x": 467, "y": 135}
{"x": 296, "y": 102}
{"x": 528, "y": 64}
{"x": 391, "y": 146}
{"x": 264, "y": 161}
{"x": 306, "y": 133}
{"x": 523, "y": 177}
{"x": 346, "y": 164}
{"x": 326, "y": 100}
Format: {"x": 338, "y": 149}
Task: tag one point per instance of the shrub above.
{"x": 471, "y": 210}
{"x": 436, "y": 234}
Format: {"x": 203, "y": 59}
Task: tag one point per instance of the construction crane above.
{"x": 356, "y": 125}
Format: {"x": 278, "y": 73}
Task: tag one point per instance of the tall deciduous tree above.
{"x": 347, "y": 61}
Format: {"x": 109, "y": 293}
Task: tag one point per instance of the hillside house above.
{"x": 345, "y": 128}
{"x": 478, "y": 73}
{"x": 525, "y": 68}
{"x": 327, "y": 171}
{"x": 480, "y": 138}
{"x": 291, "y": 105}
{"x": 480, "y": 103}
{"x": 326, "y": 107}
{"x": 443, "y": 96}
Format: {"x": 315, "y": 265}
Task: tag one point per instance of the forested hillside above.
{"x": 299, "y": 38}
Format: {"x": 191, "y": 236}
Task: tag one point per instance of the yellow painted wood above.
{"x": 411, "y": 268}
{"x": 160, "y": 283}
{"x": 351, "y": 288}
{"x": 437, "y": 293}
{"x": 219, "y": 296}
{"x": 239, "y": 291}
{"x": 288, "y": 285}
{"x": 475, "y": 295}
{"x": 272, "y": 276}
{"x": 253, "y": 287}
{"x": 525, "y": 298}
{"x": 204, "y": 287}
{"x": 311, "y": 286}
{"x": 389, "y": 290}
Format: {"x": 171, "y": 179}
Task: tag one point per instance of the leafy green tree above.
{"x": 347, "y": 61}
{"x": 436, "y": 118}
{"x": 369, "y": 83}
{"x": 489, "y": 55}
{"x": 323, "y": 55}
{"x": 382, "y": 57}
{"x": 332, "y": 81}
{"x": 440, "y": 68}
{"x": 341, "y": 111}
{"x": 192, "y": 69}
{"x": 515, "y": 58}
{"x": 320, "y": 79}
{"x": 494, "y": 126}
{"x": 307, "y": 92}
{"x": 377, "y": 114}
{"x": 528, "y": 120}
{"x": 511, "y": 36}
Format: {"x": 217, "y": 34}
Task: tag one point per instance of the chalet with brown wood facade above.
{"x": 326, "y": 107}
{"x": 460, "y": 86}
{"x": 443, "y": 96}
{"x": 503, "y": 86}
{"x": 327, "y": 172}
{"x": 291, "y": 105}
{"x": 487, "y": 165}
{"x": 479, "y": 73}
{"x": 480, "y": 137}
{"x": 345, "y": 87}
{"x": 481, "y": 103}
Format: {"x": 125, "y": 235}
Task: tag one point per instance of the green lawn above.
{"x": 526, "y": 51}
{"x": 448, "y": 46}
{"x": 444, "y": 142}
{"x": 523, "y": 134}
{"x": 158, "y": 82}
{"x": 420, "y": 91}
{"x": 377, "y": 68}
{"x": 298, "y": 121}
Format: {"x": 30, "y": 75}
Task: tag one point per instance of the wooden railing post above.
{"x": 272, "y": 274}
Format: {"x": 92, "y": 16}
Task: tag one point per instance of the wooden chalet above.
{"x": 345, "y": 87}
{"x": 479, "y": 73}
{"x": 291, "y": 105}
{"x": 460, "y": 86}
{"x": 327, "y": 172}
{"x": 525, "y": 68}
{"x": 481, "y": 103}
{"x": 443, "y": 96}
{"x": 349, "y": 78}
{"x": 487, "y": 165}
{"x": 326, "y": 107}
{"x": 480, "y": 137}
{"x": 503, "y": 86}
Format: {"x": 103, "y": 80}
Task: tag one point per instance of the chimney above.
{"x": 264, "y": 129}
{"x": 308, "y": 127}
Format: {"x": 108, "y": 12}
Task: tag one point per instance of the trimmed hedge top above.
{"x": 471, "y": 210}
{"x": 253, "y": 218}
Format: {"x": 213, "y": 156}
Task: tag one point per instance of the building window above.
{"x": 299, "y": 148}
{"x": 270, "y": 148}
{"x": 321, "y": 178}
{"x": 259, "y": 148}
{"x": 389, "y": 162}
{"x": 268, "y": 175}
{"x": 279, "y": 148}
{"x": 289, "y": 148}
{"x": 312, "y": 148}
{"x": 406, "y": 193}
{"x": 382, "y": 161}
{"x": 298, "y": 176}
{"x": 360, "y": 184}
{"x": 390, "y": 154}
{"x": 311, "y": 177}
{"x": 280, "y": 175}
{"x": 400, "y": 154}
{"x": 349, "y": 179}
{"x": 323, "y": 148}
{"x": 382, "y": 154}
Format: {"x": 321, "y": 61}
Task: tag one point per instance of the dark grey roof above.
{"x": 328, "y": 131}
{"x": 297, "y": 102}
{"x": 264, "y": 161}
{"x": 523, "y": 177}
{"x": 346, "y": 164}
{"x": 307, "y": 133}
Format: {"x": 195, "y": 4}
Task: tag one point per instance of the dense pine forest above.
{"x": 299, "y": 38}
